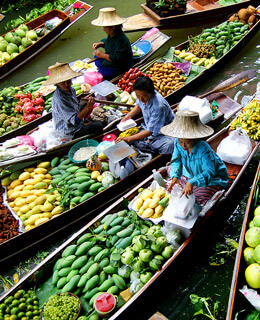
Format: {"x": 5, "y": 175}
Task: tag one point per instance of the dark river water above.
{"x": 192, "y": 273}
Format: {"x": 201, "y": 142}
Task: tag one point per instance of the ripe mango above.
{"x": 24, "y": 176}
{"x": 45, "y": 164}
{"x": 47, "y": 207}
{"x": 20, "y": 202}
{"x": 30, "y": 198}
{"x": 19, "y": 188}
{"x": 6, "y": 181}
{"x": 57, "y": 210}
{"x": 39, "y": 192}
{"x": 40, "y": 170}
{"x": 36, "y": 209}
{"x": 28, "y": 182}
{"x": 15, "y": 194}
{"x": 40, "y": 200}
{"x": 25, "y": 208}
{"x": 26, "y": 193}
{"x": 47, "y": 176}
{"x": 15, "y": 183}
{"x": 33, "y": 218}
{"x": 41, "y": 185}
{"x": 31, "y": 204}
{"x": 29, "y": 227}
{"x": 40, "y": 221}
{"x": 28, "y": 187}
{"x": 29, "y": 169}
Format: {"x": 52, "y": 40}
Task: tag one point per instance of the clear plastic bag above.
{"x": 180, "y": 204}
{"x": 235, "y": 148}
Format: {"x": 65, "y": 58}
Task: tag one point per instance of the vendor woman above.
{"x": 195, "y": 166}
{"x": 156, "y": 112}
{"x": 118, "y": 56}
{"x": 67, "y": 113}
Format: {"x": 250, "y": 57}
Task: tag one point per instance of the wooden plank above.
{"x": 141, "y": 21}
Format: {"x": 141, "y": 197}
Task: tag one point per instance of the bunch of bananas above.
{"x": 249, "y": 120}
{"x": 129, "y": 132}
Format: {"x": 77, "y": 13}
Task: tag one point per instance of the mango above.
{"x": 29, "y": 227}
{"x": 31, "y": 204}
{"x": 158, "y": 209}
{"x": 36, "y": 209}
{"x": 37, "y": 178}
{"x": 15, "y": 183}
{"x": 11, "y": 204}
{"x": 147, "y": 213}
{"x": 47, "y": 176}
{"x": 25, "y": 208}
{"x": 51, "y": 198}
{"x": 29, "y": 169}
{"x": 28, "y": 214}
{"x": 40, "y": 221}
{"x": 39, "y": 192}
{"x": 19, "y": 188}
{"x": 45, "y": 164}
{"x": 15, "y": 194}
{"x": 40, "y": 170}
{"x": 33, "y": 218}
{"x": 16, "y": 209}
{"x": 146, "y": 193}
{"x": 28, "y": 182}
{"x": 6, "y": 181}
{"x": 147, "y": 203}
{"x": 48, "y": 181}
{"x": 154, "y": 202}
{"x": 95, "y": 174}
{"x": 100, "y": 178}
{"x": 46, "y": 215}
{"x": 26, "y": 193}
{"x": 57, "y": 210}
{"x": 28, "y": 187}
{"x": 40, "y": 200}
{"x": 9, "y": 192}
{"x": 41, "y": 185}
{"x": 47, "y": 207}
{"x": 30, "y": 198}
{"x": 20, "y": 202}
{"x": 24, "y": 176}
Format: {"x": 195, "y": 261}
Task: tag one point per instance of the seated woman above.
{"x": 118, "y": 56}
{"x": 156, "y": 112}
{"x": 195, "y": 166}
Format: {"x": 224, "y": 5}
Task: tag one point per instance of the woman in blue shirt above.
{"x": 195, "y": 165}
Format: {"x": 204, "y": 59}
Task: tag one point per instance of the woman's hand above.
{"x": 97, "y": 45}
{"x": 126, "y": 117}
{"x": 126, "y": 139}
{"x": 173, "y": 182}
{"x": 187, "y": 189}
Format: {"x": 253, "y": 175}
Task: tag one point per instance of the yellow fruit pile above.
{"x": 249, "y": 120}
{"x": 204, "y": 62}
{"x": 147, "y": 204}
{"x": 129, "y": 132}
{"x": 26, "y": 196}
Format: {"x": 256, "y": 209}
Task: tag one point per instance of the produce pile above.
{"x": 151, "y": 204}
{"x": 166, "y": 77}
{"x": 22, "y": 305}
{"x": 249, "y": 120}
{"x": 128, "y": 79}
{"x": 13, "y": 43}
{"x": 119, "y": 256}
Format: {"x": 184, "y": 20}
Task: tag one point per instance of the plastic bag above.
{"x": 252, "y": 296}
{"x": 172, "y": 234}
{"x": 93, "y": 77}
{"x": 181, "y": 205}
{"x": 235, "y": 148}
{"x": 201, "y": 106}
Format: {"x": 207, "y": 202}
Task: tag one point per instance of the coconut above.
{"x": 26, "y": 42}
{"x": 251, "y": 9}
{"x": 3, "y": 45}
{"x": 20, "y": 32}
{"x": 243, "y": 14}
{"x": 11, "y": 48}
{"x": 32, "y": 35}
{"x": 23, "y": 27}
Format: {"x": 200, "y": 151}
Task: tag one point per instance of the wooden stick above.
{"x": 232, "y": 82}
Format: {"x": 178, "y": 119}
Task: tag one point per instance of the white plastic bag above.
{"x": 235, "y": 148}
{"x": 180, "y": 204}
{"x": 252, "y": 296}
{"x": 201, "y": 106}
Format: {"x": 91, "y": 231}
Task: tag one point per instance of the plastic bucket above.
{"x": 105, "y": 303}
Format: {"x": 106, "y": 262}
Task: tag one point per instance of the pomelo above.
{"x": 249, "y": 255}
{"x": 256, "y": 221}
{"x": 11, "y": 48}
{"x": 252, "y": 275}
{"x": 252, "y": 237}
{"x": 257, "y": 211}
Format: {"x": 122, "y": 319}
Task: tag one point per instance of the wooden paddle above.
{"x": 232, "y": 82}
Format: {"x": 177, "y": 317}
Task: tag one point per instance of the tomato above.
{"x": 128, "y": 89}
{"x": 123, "y": 86}
{"x": 127, "y": 81}
{"x": 136, "y": 70}
{"x": 132, "y": 76}
{"x": 130, "y": 70}
{"x": 125, "y": 77}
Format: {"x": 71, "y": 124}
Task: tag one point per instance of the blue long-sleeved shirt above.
{"x": 156, "y": 113}
{"x": 65, "y": 107}
{"x": 202, "y": 166}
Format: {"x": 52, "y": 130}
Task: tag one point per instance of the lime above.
{"x": 29, "y": 307}
{"x": 22, "y": 306}
{"x": 21, "y": 291}
{"x": 249, "y": 255}
{"x": 34, "y": 297}
{"x": 22, "y": 300}
{"x": 36, "y": 302}
{"x": 18, "y": 295}
{"x": 29, "y": 301}
{"x": 36, "y": 312}
{"x": 15, "y": 310}
{"x": 15, "y": 303}
{"x": 35, "y": 307}
{"x": 252, "y": 237}
{"x": 13, "y": 317}
{"x": 252, "y": 275}
{"x": 257, "y": 211}
{"x": 20, "y": 315}
{"x": 256, "y": 221}
{"x": 29, "y": 314}
{"x": 9, "y": 300}
{"x": 2, "y": 306}
{"x": 251, "y": 224}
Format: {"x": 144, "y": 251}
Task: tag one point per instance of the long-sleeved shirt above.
{"x": 120, "y": 52}
{"x": 156, "y": 113}
{"x": 65, "y": 107}
{"x": 202, "y": 166}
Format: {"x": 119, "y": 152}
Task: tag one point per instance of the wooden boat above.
{"x": 157, "y": 41}
{"x": 227, "y": 108}
{"x": 237, "y": 303}
{"x": 193, "y": 82}
{"x": 16, "y": 246}
{"x": 45, "y": 267}
{"x": 43, "y": 42}
{"x": 196, "y": 13}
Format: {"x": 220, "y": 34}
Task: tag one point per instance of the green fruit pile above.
{"x": 12, "y": 43}
{"x": 252, "y": 252}
{"x": 22, "y": 305}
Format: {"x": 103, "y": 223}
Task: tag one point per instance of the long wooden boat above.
{"x": 67, "y": 19}
{"x": 45, "y": 268}
{"x": 227, "y": 108}
{"x": 16, "y": 246}
{"x": 237, "y": 303}
{"x": 157, "y": 40}
{"x": 192, "y": 82}
{"x": 196, "y": 13}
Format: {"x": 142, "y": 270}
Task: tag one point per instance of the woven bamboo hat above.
{"x": 107, "y": 18}
{"x": 187, "y": 125}
{"x": 60, "y": 72}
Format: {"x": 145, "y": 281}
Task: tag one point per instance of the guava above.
{"x": 6, "y": 56}
{"x": 21, "y": 48}
{"x": 17, "y": 40}
{"x": 249, "y": 255}
{"x": 257, "y": 211}
{"x": 26, "y": 42}
{"x": 252, "y": 237}
{"x": 9, "y": 37}
{"x": 31, "y": 34}
{"x": 23, "y": 27}
{"x": 20, "y": 32}
{"x": 14, "y": 54}
{"x": 252, "y": 275}
{"x": 256, "y": 221}
{"x": 3, "y": 45}
{"x": 11, "y": 48}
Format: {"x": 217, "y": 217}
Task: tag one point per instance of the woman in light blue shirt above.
{"x": 195, "y": 165}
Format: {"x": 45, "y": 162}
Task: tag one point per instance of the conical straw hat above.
{"x": 60, "y": 72}
{"x": 187, "y": 125}
{"x": 108, "y": 18}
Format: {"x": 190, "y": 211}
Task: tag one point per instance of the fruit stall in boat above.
{"x": 101, "y": 250}
{"x": 43, "y": 30}
{"x": 35, "y": 88}
{"x": 188, "y": 14}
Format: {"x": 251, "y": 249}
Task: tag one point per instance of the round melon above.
{"x": 12, "y": 48}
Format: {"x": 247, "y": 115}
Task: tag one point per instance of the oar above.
{"x": 111, "y": 102}
{"x": 232, "y": 82}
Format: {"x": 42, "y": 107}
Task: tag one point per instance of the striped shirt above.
{"x": 202, "y": 166}
{"x": 157, "y": 113}
{"x": 65, "y": 107}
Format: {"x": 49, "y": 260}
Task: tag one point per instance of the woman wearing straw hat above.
{"x": 195, "y": 166}
{"x": 118, "y": 56}
{"x": 67, "y": 113}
